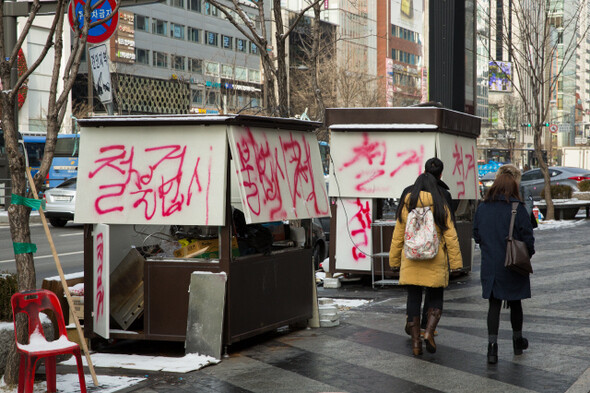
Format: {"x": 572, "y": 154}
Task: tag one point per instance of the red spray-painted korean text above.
{"x": 464, "y": 162}
{"x": 268, "y": 169}
{"x": 160, "y": 184}
{"x": 99, "y": 284}
{"x": 360, "y": 227}
{"x": 370, "y": 165}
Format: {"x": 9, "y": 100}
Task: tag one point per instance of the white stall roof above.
{"x": 384, "y": 126}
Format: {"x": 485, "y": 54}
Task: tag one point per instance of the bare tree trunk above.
{"x": 282, "y": 77}
{"x": 315, "y": 52}
{"x": 19, "y": 227}
{"x": 545, "y": 171}
{"x": 269, "y": 89}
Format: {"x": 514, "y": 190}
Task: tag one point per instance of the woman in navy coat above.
{"x": 490, "y": 230}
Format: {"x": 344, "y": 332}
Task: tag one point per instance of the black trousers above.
{"x": 516, "y": 315}
{"x": 433, "y": 299}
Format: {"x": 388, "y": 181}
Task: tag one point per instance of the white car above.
{"x": 61, "y": 203}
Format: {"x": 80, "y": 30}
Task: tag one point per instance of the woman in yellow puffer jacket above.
{"x": 430, "y": 273}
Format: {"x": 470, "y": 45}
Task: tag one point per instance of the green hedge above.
{"x": 584, "y": 185}
{"x": 8, "y": 286}
{"x": 561, "y": 191}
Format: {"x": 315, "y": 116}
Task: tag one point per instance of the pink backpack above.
{"x": 421, "y": 239}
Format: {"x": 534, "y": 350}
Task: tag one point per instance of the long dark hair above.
{"x": 503, "y": 188}
{"x": 427, "y": 182}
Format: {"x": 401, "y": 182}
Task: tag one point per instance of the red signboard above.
{"x": 101, "y": 32}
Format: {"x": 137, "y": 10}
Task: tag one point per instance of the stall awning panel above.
{"x": 152, "y": 175}
{"x": 280, "y": 174}
{"x": 460, "y": 158}
{"x": 377, "y": 164}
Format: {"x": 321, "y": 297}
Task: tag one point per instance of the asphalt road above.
{"x": 68, "y": 243}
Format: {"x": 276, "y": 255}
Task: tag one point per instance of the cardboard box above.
{"x": 212, "y": 249}
{"x": 78, "y": 309}
{"x": 73, "y": 335}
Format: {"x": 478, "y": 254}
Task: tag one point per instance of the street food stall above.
{"x": 376, "y": 153}
{"x": 163, "y": 197}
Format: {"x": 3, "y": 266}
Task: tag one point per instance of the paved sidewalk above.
{"x": 369, "y": 351}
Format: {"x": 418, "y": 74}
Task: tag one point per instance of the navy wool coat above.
{"x": 490, "y": 230}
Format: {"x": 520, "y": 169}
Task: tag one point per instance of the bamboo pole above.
{"x": 63, "y": 282}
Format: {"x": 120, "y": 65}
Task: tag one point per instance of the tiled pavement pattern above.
{"x": 369, "y": 351}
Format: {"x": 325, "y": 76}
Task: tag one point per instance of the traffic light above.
{"x": 546, "y": 124}
{"x": 526, "y": 125}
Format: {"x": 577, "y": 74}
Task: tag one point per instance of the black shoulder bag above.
{"x": 517, "y": 253}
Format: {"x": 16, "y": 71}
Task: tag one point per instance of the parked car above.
{"x": 485, "y": 182}
{"x": 559, "y": 175}
{"x": 61, "y": 203}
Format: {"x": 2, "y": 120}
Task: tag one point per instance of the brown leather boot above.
{"x": 415, "y": 332}
{"x": 433, "y": 318}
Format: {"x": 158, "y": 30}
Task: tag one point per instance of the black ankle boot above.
{"x": 492, "y": 353}
{"x": 519, "y": 344}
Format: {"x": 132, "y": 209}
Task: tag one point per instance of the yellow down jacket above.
{"x": 429, "y": 272}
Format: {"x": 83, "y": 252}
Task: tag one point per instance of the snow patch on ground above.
{"x": 68, "y": 383}
{"x": 557, "y": 224}
{"x": 190, "y": 362}
{"x": 346, "y": 304}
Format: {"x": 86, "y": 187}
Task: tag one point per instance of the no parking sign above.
{"x": 101, "y": 32}
{"x": 553, "y": 128}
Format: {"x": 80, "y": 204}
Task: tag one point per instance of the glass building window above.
{"x": 142, "y": 23}
{"x": 194, "y": 5}
{"x": 227, "y": 71}
{"x": 253, "y": 48}
{"x": 142, "y": 56}
{"x": 160, "y": 59}
{"x": 254, "y": 76}
{"x": 241, "y": 74}
{"x": 212, "y": 38}
{"x": 210, "y": 9}
{"x": 176, "y": 31}
{"x": 197, "y": 96}
{"x": 212, "y": 98}
{"x": 194, "y": 35}
{"x": 211, "y": 68}
{"x": 177, "y": 3}
{"x": 178, "y": 62}
{"x": 159, "y": 27}
{"x": 195, "y": 65}
{"x": 226, "y": 42}
{"x": 241, "y": 45}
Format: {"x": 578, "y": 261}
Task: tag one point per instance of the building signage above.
{"x": 101, "y": 32}
{"x": 424, "y": 85}
{"x": 500, "y": 74}
{"x": 123, "y": 41}
{"x": 389, "y": 82}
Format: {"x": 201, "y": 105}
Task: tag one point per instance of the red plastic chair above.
{"x": 32, "y": 303}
